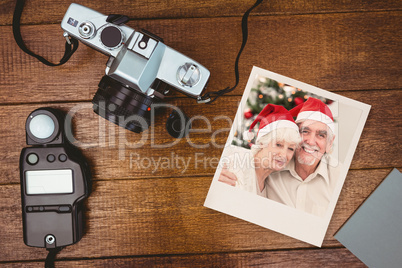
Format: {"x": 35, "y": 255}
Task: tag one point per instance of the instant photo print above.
{"x": 295, "y": 204}
{"x": 55, "y": 180}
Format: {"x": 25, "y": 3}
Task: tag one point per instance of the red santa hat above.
{"x": 270, "y": 118}
{"x": 314, "y": 109}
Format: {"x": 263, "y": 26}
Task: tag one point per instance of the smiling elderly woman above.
{"x": 277, "y": 139}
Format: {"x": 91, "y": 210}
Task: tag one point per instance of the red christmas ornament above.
{"x": 248, "y": 113}
{"x": 298, "y": 100}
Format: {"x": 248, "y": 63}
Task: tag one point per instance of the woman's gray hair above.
{"x": 281, "y": 134}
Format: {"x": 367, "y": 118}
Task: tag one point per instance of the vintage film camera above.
{"x": 139, "y": 71}
{"x": 55, "y": 180}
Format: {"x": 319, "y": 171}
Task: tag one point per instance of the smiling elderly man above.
{"x": 307, "y": 183}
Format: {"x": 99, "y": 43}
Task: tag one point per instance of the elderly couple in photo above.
{"x": 290, "y": 162}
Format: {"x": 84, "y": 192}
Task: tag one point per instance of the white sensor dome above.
{"x": 42, "y": 126}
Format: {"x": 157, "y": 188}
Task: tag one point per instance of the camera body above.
{"x": 55, "y": 180}
{"x": 139, "y": 71}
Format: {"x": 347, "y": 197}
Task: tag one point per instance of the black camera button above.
{"x": 62, "y": 157}
{"x": 64, "y": 209}
{"x": 51, "y": 158}
{"x": 34, "y": 209}
{"x": 32, "y": 158}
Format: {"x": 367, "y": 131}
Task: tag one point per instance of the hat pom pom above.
{"x": 247, "y": 135}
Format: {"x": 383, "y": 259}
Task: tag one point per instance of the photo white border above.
{"x": 278, "y": 217}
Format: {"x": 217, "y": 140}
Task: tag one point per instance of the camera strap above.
{"x": 51, "y": 256}
{"x": 206, "y": 98}
{"x": 70, "y": 46}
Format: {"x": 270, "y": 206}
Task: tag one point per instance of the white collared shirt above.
{"x": 311, "y": 195}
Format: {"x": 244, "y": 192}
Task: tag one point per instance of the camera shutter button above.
{"x": 86, "y": 30}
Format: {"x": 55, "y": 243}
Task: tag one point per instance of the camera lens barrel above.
{"x": 122, "y": 105}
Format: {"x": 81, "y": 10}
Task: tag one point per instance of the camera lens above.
{"x": 123, "y": 105}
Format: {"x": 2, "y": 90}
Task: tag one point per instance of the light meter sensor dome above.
{"x": 43, "y": 126}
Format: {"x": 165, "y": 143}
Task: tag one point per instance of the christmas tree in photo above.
{"x": 267, "y": 91}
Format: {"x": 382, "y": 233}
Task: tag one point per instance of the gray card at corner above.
{"x": 374, "y": 232}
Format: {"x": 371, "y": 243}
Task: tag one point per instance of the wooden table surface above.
{"x": 142, "y": 216}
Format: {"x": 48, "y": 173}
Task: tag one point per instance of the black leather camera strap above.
{"x": 51, "y": 256}
{"x": 70, "y": 47}
{"x": 210, "y": 97}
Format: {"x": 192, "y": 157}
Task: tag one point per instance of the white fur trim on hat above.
{"x": 317, "y": 116}
{"x": 275, "y": 125}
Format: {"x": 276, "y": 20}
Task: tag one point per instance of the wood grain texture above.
{"x": 139, "y": 215}
{"x": 299, "y": 258}
{"x": 52, "y": 11}
{"x": 165, "y": 216}
{"x": 336, "y": 52}
{"x": 116, "y": 153}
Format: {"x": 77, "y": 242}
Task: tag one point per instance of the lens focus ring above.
{"x": 123, "y": 106}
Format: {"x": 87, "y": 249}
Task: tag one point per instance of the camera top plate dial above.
{"x": 111, "y": 37}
